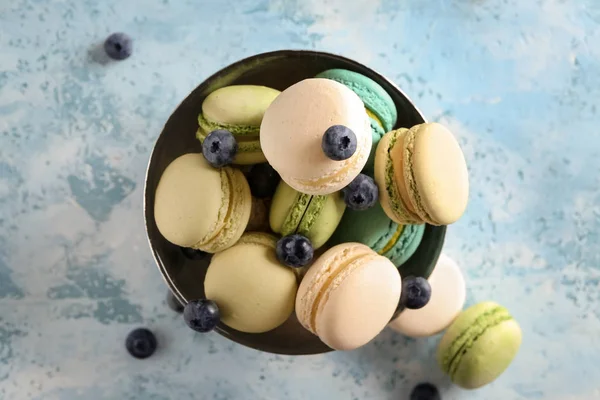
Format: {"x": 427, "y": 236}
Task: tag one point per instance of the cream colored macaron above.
{"x": 348, "y": 296}
{"x": 292, "y": 130}
{"x": 448, "y": 294}
{"x": 201, "y": 207}
{"x": 254, "y": 292}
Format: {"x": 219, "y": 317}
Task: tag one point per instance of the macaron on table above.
{"x": 359, "y": 190}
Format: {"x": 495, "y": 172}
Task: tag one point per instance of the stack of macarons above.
{"x": 311, "y": 202}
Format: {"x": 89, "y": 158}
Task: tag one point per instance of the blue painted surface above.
{"x": 517, "y": 81}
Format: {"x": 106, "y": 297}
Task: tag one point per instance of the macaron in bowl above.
{"x": 293, "y": 128}
{"x": 202, "y": 207}
{"x": 315, "y": 217}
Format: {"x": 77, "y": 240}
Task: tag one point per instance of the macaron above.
{"x": 238, "y": 109}
{"x": 253, "y": 291}
{"x": 448, "y": 293}
{"x": 375, "y": 229}
{"x": 422, "y": 175}
{"x": 201, "y": 207}
{"x": 348, "y": 296}
{"x": 380, "y": 107}
{"x": 314, "y": 217}
{"x": 292, "y": 131}
{"x": 479, "y": 345}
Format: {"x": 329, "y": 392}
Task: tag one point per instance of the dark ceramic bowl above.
{"x": 278, "y": 70}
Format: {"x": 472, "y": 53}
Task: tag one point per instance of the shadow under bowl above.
{"x": 279, "y": 70}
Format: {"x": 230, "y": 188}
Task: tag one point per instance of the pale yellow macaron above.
{"x": 292, "y": 130}
{"x": 201, "y": 207}
{"x": 348, "y": 296}
{"x": 448, "y": 293}
{"x": 422, "y": 175}
{"x": 254, "y": 292}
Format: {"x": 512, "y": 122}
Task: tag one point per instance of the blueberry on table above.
{"x": 219, "y": 148}
{"x": 118, "y": 46}
{"x": 294, "y": 250}
{"x": 425, "y": 391}
{"x": 141, "y": 343}
{"x": 416, "y": 292}
{"x": 263, "y": 180}
{"x": 194, "y": 254}
{"x": 201, "y": 315}
{"x": 362, "y": 193}
{"x": 339, "y": 142}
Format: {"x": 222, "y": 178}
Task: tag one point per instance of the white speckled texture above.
{"x": 517, "y": 81}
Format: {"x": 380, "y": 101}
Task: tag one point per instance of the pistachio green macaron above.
{"x": 479, "y": 345}
{"x": 315, "y": 217}
{"x": 238, "y": 109}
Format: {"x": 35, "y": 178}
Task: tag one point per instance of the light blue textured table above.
{"x": 517, "y": 81}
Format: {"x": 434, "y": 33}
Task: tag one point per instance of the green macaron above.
{"x": 373, "y": 228}
{"x": 380, "y": 107}
{"x": 479, "y": 345}
{"x": 315, "y": 217}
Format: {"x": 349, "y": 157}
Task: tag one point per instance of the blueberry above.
{"x": 201, "y": 315}
{"x": 416, "y": 292}
{"x": 339, "y": 142}
{"x": 219, "y": 148}
{"x": 361, "y": 193}
{"x": 294, "y": 251}
{"x": 193, "y": 254}
{"x": 173, "y": 303}
{"x": 263, "y": 180}
{"x": 118, "y": 46}
{"x": 141, "y": 343}
{"x": 425, "y": 391}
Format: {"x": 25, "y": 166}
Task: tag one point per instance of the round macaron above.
{"x": 253, "y": 291}
{"x": 422, "y": 175}
{"x": 448, "y": 293}
{"x": 314, "y": 217}
{"x": 201, "y": 207}
{"x": 479, "y": 345}
{"x": 238, "y": 109}
{"x": 292, "y": 130}
{"x": 380, "y": 107}
{"x": 375, "y": 229}
{"x": 348, "y": 296}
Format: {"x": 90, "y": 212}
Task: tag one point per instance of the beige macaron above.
{"x": 254, "y": 292}
{"x": 348, "y": 296}
{"x": 422, "y": 175}
{"x": 448, "y": 294}
{"x": 292, "y": 130}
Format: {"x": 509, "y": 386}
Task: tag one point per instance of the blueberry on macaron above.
{"x": 201, "y": 315}
{"x": 425, "y": 391}
{"x": 263, "y": 180}
{"x": 362, "y": 193}
{"x": 294, "y": 250}
{"x": 339, "y": 142}
{"x": 219, "y": 148}
{"x": 118, "y": 46}
{"x": 141, "y": 343}
{"x": 416, "y": 292}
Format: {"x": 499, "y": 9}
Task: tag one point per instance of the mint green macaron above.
{"x": 315, "y": 217}
{"x": 479, "y": 345}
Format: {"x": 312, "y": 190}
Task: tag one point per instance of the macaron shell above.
{"x": 389, "y": 196}
{"x": 292, "y": 130}
{"x": 345, "y": 319}
{"x": 238, "y": 104}
{"x": 287, "y": 208}
{"x": 375, "y": 98}
{"x": 436, "y": 175}
{"x": 377, "y": 132}
{"x": 322, "y": 217}
{"x": 405, "y": 247}
{"x": 254, "y": 292}
{"x": 448, "y": 293}
{"x": 189, "y": 200}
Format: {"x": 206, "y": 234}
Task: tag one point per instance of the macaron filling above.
{"x": 393, "y": 240}
{"x": 311, "y": 215}
{"x": 415, "y": 198}
{"x": 238, "y": 130}
{"x": 296, "y": 213}
{"x": 489, "y": 319}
